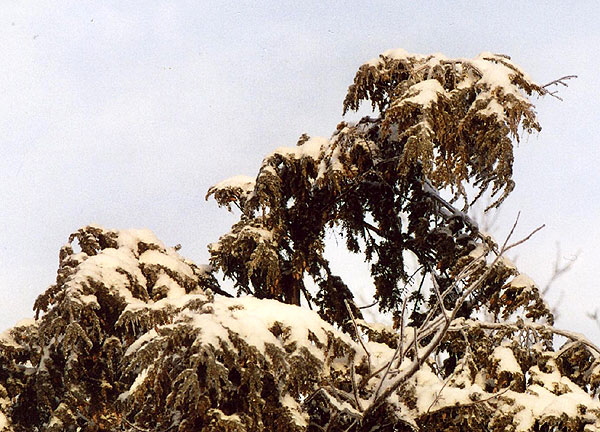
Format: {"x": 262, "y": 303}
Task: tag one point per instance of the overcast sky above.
{"x": 124, "y": 114}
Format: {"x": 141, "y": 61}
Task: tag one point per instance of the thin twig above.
{"x": 506, "y": 247}
{"x": 441, "y": 331}
{"x": 461, "y": 365}
{"x": 376, "y": 372}
{"x": 399, "y": 350}
{"x": 559, "y": 269}
{"x": 369, "y": 305}
{"x": 523, "y": 240}
{"x": 355, "y": 389}
{"x": 349, "y": 428}
{"x": 464, "y": 274}
{"x": 495, "y": 395}
{"x": 358, "y": 334}
{"x": 438, "y": 395}
{"x": 559, "y": 81}
{"x": 141, "y": 429}
{"x": 575, "y": 337}
{"x": 135, "y": 427}
{"x": 416, "y": 345}
{"x": 436, "y": 289}
{"x": 511, "y": 232}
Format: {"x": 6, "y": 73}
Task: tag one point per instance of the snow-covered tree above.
{"x": 442, "y": 124}
{"x": 134, "y": 337}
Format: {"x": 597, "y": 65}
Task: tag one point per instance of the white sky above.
{"x": 124, "y": 113}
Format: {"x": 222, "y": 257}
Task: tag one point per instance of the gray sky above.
{"x": 124, "y": 113}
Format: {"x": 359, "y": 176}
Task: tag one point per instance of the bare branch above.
{"x": 519, "y": 325}
{"x": 355, "y": 389}
{"x": 399, "y": 350}
{"x": 559, "y": 81}
{"x": 439, "y": 393}
{"x": 358, "y": 334}
{"x": 369, "y": 305}
{"x": 559, "y": 269}
{"x": 595, "y": 317}
{"x": 506, "y": 247}
{"x": 436, "y": 289}
{"x": 441, "y": 325}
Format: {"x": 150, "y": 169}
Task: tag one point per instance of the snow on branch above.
{"x": 135, "y": 337}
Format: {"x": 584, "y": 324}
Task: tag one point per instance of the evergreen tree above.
{"x": 443, "y": 125}
{"x": 134, "y": 337}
